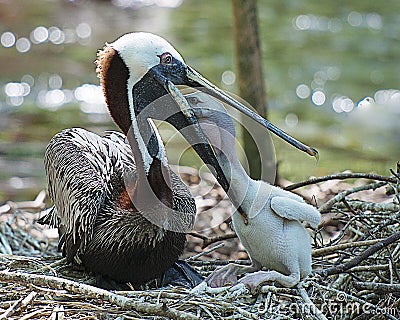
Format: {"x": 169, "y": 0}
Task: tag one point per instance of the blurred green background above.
{"x": 320, "y": 58}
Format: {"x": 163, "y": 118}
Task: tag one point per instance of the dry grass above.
{"x": 356, "y": 261}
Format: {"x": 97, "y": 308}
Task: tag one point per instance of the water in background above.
{"x": 320, "y": 58}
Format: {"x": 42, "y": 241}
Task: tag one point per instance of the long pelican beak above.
{"x": 196, "y": 80}
{"x": 186, "y": 122}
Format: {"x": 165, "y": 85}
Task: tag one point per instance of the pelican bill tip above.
{"x": 313, "y": 152}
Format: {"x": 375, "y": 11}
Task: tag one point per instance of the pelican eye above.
{"x": 165, "y": 58}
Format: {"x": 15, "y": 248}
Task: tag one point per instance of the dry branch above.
{"x": 196, "y": 256}
{"x": 341, "y": 196}
{"x": 93, "y": 292}
{"x": 341, "y": 176}
{"x": 37, "y": 204}
{"x": 207, "y": 241}
{"x": 19, "y": 304}
{"x": 358, "y": 259}
{"x": 369, "y": 268}
{"x": 366, "y": 273}
{"x": 311, "y": 307}
{"x": 330, "y": 249}
{"x": 379, "y": 287}
{"x": 371, "y": 206}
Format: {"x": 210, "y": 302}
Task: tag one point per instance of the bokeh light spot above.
{"x": 7, "y": 39}
{"x": 355, "y": 19}
{"x": 342, "y": 104}
{"x": 303, "y": 91}
{"x": 228, "y": 77}
{"x": 56, "y": 36}
{"x": 55, "y": 81}
{"x": 374, "y": 21}
{"x": 23, "y": 45}
{"x": 318, "y": 98}
{"x": 83, "y": 30}
{"x": 291, "y": 120}
{"x": 39, "y": 35}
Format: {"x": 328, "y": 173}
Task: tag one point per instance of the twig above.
{"x": 219, "y": 238}
{"x": 32, "y": 315}
{"x": 58, "y": 313}
{"x": 347, "y": 296}
{"x": 343, "y": 230}
{"x": 149, "y": 293}
{"x": 207, "y": 241}
{"x": 327, "y": 250}
{"x": 371, "y": 206}
{"x": 379, "y": 287}
{"x": 37, "y": 204}
{"x": 396, "y": 174}
{"x": 96, "y": 293}
{"x": 198, "y": 235}
{"x": 369, "y": 268}
{"x": 214, "y": 263}
{"x": 277, "y": 290}
{"x": 11, "y": 309}
{"x": 348, "y": 207}
{"x": 27, "y": 300}
{"x": 310, "y": 305}
{"x": 51, "y": 266}
{"x": 339, "y": 197}
{"x": 19, "y": 304}
{"x": 196, "y": 256}
{"x": 358, "y": 259}
{"x": 244, "y": 314}
{"x": 340, "y": 176}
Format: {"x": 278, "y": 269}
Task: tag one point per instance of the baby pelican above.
{"x": 274, "y": 236}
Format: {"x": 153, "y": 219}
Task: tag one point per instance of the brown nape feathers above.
{"x": 114, "y": 74}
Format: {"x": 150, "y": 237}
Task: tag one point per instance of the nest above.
{"x": 356, "y": 254}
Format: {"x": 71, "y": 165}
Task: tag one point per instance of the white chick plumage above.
{"x": 274, "y": 236}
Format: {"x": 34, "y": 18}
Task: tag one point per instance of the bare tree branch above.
{"x": 330, "y": 249}
{"x": 358, "y": 259}
{"x": 94, "y": 292}
{"x": 379, "y": 287}
{"x": 207, "y": 241}
{"x": 341, "y": 176}
{"x": 339, "y": 197}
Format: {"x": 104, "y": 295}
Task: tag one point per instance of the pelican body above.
{"x": 90, "y": 179}
{"x": 273, "y": 235}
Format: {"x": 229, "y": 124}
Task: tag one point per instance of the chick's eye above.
{"x": 166, "y": 58}
{"x": 193, "y": 100}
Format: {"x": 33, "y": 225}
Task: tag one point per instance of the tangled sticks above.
{"x": 356, "y": 258}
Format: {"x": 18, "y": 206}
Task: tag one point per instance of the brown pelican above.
{"x": 120, "y": 210}
{"x": 274, "y": 237}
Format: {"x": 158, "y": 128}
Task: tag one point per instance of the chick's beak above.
{"x": 187, "y": 123}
